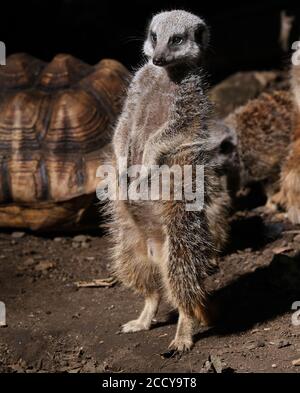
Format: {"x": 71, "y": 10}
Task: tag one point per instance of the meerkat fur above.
{"x": 159, "y": 248}
{"x": 289, "y": 194}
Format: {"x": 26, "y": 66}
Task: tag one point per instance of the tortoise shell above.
{"x": 56, "y": 120}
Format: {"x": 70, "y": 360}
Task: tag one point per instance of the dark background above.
{"x": 245, "y": 34}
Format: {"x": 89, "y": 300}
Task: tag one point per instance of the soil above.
{"x": 53, "y": 326}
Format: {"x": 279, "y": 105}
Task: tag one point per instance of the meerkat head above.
{"x": 176, "y": 37}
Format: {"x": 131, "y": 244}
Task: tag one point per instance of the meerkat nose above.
{"x": 159, "y": 61}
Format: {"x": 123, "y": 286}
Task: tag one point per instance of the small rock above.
{"x": 163, "y": 335}
{"x": 74, "y": 370}
{"x": 75, "y": 245}
{"x": 17, "y": 235}
{"x": 81, "y": 239}
{"x": 58, "y": 239}
{"x": 207, "y": 367}
{"x": 44, "y": 266}
{"x": 89, "y": 367}
{"x": 274, "y": 365}
{"x": 29, "y": 261}
{"x": 257, "y": 344}
{"x": 85, "y": 245}
{"x": 80, "y": 352}
{"x": 215, "y": 365}
{"x": 282, "y": 343}
{"x": 296, "y": 362}
{"x": 297, "y": 238}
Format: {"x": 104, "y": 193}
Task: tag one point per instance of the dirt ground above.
{"x": 52, "y": 326}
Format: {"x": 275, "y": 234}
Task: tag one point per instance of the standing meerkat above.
{"x": 289, "y": 195}
{"x": 268, "y": 145}
{"x": 263, "y": 130}
{"x": 159, "y": 247}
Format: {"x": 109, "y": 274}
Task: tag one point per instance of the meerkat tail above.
{"x": 190, "y": 259}
{"x": 208, "y": 315}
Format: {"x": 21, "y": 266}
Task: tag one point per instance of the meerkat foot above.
{"x": 135, "y": 326}
{"x": 183, "y": 340}
{"x": 181, "y": 344}
{"x": 144, "y": 320}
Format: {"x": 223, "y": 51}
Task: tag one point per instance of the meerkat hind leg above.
{"x": 183, "y": 340}
{"x": 144, "y": 320}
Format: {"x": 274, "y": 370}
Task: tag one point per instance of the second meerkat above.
{"x": 160, "y": 248}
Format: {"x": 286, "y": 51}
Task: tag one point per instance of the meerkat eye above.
{"x": 176, "y": 40}
{"x": 153, "y": 37}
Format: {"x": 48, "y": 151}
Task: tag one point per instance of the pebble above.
{"x": 282, "y": 344}
{"x": 17, "y": 235}
{"x": 44, "y": 266}
{"x": 85, "y": 245}
{"x": 29, "y": 261}
{"x": 258, "y": 344}
{"x": 214, "y": 364}
{"x": 296, "y": 362}
{"x": 81, "y": 239}
{"x": 58, "y": 239}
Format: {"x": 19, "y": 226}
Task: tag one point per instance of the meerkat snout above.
{"x": 175, "y": 37}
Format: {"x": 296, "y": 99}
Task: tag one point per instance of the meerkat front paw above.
{"x": 181, "y": 344}
{"x": 134, "y": 326}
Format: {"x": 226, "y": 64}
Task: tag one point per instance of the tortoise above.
{"x": 56, "y": 123}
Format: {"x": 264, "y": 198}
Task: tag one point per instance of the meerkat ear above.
{"x": 202, "y": 35}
